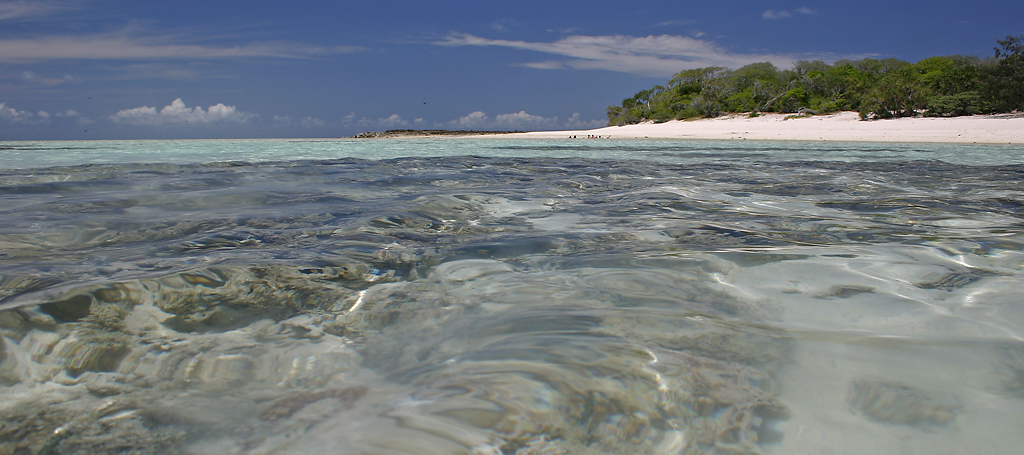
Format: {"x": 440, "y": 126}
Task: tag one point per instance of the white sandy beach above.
{"x": 843, "y": 126}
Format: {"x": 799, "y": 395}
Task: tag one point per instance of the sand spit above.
{"x": 843, "y": 126}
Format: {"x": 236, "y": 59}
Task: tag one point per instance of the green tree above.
{"x": 1012, "y": 45}
{"x": 964, "y": 103}
{"x": 697, "y": 92}
{"x": 750, "y": 87}
{"x": 792, "y": 100}
{"x": 951, "y": 86}
{"x": 802, "y": 67}
{"x": 943, "y": 86}
{"x": 844, "y": 87}
{"x": 1003, "y": 83}
{"x": 899, "y": 93}
{"x": 947, "y": 76}
{"x": 692, "y": 81}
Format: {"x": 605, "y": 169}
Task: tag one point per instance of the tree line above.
{"x": 936, "y": 86}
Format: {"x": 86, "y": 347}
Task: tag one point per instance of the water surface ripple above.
{"x": 522, "y": 298}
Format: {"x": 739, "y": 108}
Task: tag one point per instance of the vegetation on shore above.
{"x": 936, "y": 86}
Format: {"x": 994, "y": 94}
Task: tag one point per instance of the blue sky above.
{"x": 104, "y": 69}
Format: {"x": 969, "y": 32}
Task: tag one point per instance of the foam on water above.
{"x": 516, "y": 297}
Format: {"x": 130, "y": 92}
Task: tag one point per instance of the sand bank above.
{"x": 843, "y": 126}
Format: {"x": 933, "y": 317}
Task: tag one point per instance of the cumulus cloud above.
{"x": 473, "y": 120}
{"x": 10, "y": 114}
{"x": 661, "y": 55}
{"x": 178, "y": 113}
{"x": 522, "y": 120}
{"x": 123, "y": 47}
{"x": 392, "y": 121}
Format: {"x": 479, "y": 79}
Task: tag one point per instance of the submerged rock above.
{"x": 285, "y": 407}
{"x": 900, "y": 404}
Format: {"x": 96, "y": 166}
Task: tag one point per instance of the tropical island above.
{"x": 944, "y": 86}
{"x": 953, "y": 99}
{"x": 817, "y": 101}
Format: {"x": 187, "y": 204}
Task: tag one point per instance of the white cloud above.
{"x": 68, "y": 113}
{"x": 478, "y": 120}
{"x": 473, "y": 120}
{"x": 125, "y": 47}
{"x": 178, "y": 113}
{"x": 9, "y": 113}
{"x": 661, "y": 55}
{"x": 547, "y": 65}
{"x": 392, "y": 121}
{"x": 13, "y": 115}
{"x": 806, "y": 10}
{"x": 575, "y": 122}
{"x": 521, "y": 121}
{"x": 30, "y": 77}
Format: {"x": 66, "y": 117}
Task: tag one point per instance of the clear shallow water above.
{"x": 27, "y": 154}
{"x": 496, "y": 296}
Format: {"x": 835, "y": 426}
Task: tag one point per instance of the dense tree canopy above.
{"x": 936, "y": 86}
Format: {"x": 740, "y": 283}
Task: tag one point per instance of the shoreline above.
{"x": 839, "y": 127}
{"x": 392, "y": 134}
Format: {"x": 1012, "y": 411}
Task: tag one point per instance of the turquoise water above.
{"x": 510, "y": 297}
{"x": 26, "y": 154}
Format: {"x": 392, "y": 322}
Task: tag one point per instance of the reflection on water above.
{"x": 512, "y": 306}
